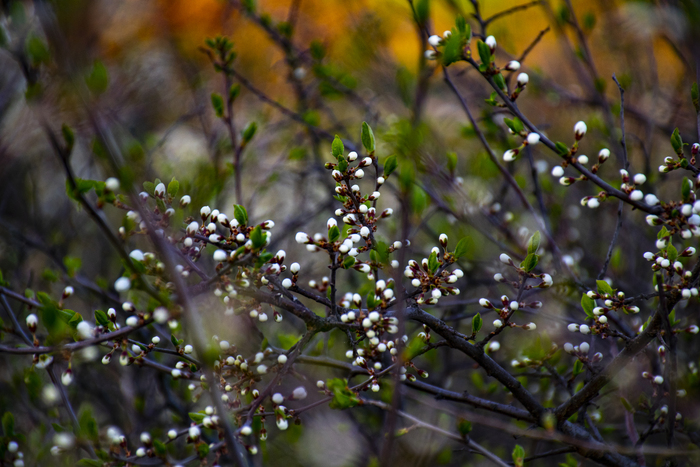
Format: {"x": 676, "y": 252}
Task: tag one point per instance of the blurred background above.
{"x": 310, "y": 69}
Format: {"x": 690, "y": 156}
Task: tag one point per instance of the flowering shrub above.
{"x": 382, "y": 336}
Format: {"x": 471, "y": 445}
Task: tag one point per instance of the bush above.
{"x": 181, "y": 245}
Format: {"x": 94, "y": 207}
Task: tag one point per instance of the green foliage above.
{"x": 477, "y": 322}
{"x": 588, "y": 304}
{"x": 217, "y": 102}
{"x": 604, "y": 288}
{"x": 464, "y": 245}
{"x": 249, "y": 131}
{"x": 343, "y": 397}
{"x": 390, "y": 164}
{"x": 433, "y": 263}
{"x": 677, "y": 142}
{"x": 562, "y": 149}
{"x": 367, "y": 136}
{"x": 240, "y": 214}
{"x": 337, "y": 147}
{"x": 8, "y": 424}
{"x": 333, "y": 234}
{"x": 518, "y": 456}
{"x": 530, "y": 262}
{"x": 37, "y": 50}
{"x": 98, "y": 78}
{"x": 484, "y": 53}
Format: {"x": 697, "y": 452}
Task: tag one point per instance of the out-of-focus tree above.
{"x": 164, "y": 167}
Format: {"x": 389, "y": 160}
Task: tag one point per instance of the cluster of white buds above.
{"x": 431, "y": 275}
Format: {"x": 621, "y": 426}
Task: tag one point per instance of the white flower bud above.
{"x": 302, "y": 238}
{"x": 651, "y": 200}
{"x": 580, "y": 130}
{"x": 523, "y": 79}
{"x": 505, "y": 259}
{"x": 299, "y": 393}
{"x": 513, "y": 65}
{"x": 497, "y": 323}
{"x": 434, "y": 40}
{"x": 122, "y": 284}
{"x": 533, "y": 138}
{"x": 636, "y": 195}
{"x": 491, "y": 42}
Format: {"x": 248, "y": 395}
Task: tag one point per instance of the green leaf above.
{"x": 149, "y": 187}
{"x": 367, "y": 137}
{"x": 604, "y": 288}
{"x": 174, "y": 340}
{"x": 663, "y": 233}
{"x": 562, "y": 149}
{"x": 249, "y": 131}
{"x": 628, "y": 407}
{"x": 98, "y": 79}
{"x": 451, "y": 162}
{"x": 217, "y": 102}
{"x": 390, "y": 164}
{"x": 492, "y": 99}
{"x": 197, "y": 417}
{"x": 333, "y": 234}
{"x": 695, "y": 96}
{"x": 578, "y": 367}
{"x": 342, "y": 164}
{"x": 518, "y": 456}
{"x": 371, "y": 301}
{"x": 37, "y": 50}
{"x": 484, "y": 53}
{"x": 534, "y": 243}
{"x": 240, "y": 214}
{"x": 348, "y": 262}
{"x": 88, "y": 425}
{"x": 463, "y": 247}
{"x": 510, "y": 123}
{"x": 8, "y": 424}
{"x": 477, "y": 322}
{"x": 72, "y": 264}
{"x": 677, "y": 142}
{"x": 588, "y": 304}
{"x": 101, "y": 318}
{"x": 671, "y": 251}
{"x": 203, "y": 450}
{"x": 686, "y": 188}
{"x": 337, "y": 147}
{"x": 530, "y": 262}
{"x": 464, "y": 427}
{"x": 234, "y": 92}
{"x": 382, "y": 250}
{"x": 500, "y": 82}
{"x": 422, "y": 11}
{"x": 257, "y": 238}
{"x": 173, "y": 188}
{"x": 343, "y": 397}
{"x": 159, "y": 448}
{"x": 433, "y": 263}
